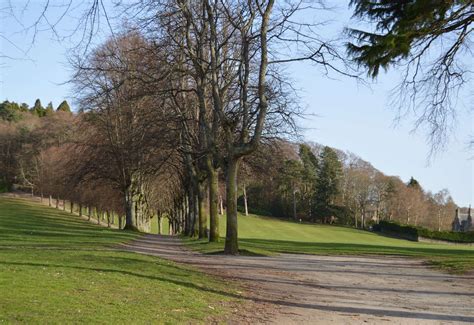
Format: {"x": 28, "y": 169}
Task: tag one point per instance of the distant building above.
{"x": 463, "y": 221}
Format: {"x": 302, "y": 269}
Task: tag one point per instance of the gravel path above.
{"x": 311, "y": 289}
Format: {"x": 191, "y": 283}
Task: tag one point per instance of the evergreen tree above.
{"x": 64, "y": 107}
{"x": 309, "y": 178}
{"x": 329, "y": 176}
{"x": 402, "y": 26}
{"x": 413, "y": 183}
{"x": 290, "y": 182}
{"x": 24, "y": 107}
{"x": 38, "y": 109}
{"x": 49, "y": 109}
{"x": 10, "y": 111}
{"x": 432, "y": 41}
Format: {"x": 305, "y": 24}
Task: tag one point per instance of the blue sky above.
{"x": 346, "y": 115}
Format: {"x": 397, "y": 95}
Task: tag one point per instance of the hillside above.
{"x": 56, "y": 268}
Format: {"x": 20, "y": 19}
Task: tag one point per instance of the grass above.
{"x": 267, "y": 236}
{"x": 56, "y": 268}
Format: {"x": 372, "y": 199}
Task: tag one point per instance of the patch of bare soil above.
{"x": 310, "y": 289}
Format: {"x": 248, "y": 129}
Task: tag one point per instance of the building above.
{"x": 463, "y": 221}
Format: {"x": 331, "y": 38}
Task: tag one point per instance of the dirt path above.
{"x": 309, "y": 289}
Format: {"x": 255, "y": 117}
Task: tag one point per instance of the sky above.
{"x": 341, "y": 113}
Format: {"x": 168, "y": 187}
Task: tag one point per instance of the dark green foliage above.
{"x": 38, "y": 109}
{"x": 4, "y": 187}
{"x": 329, "y": 176}
{"x": 10, "y": 111}
{"x": 413, "y": 183}
{"x": 64, "y": 107}
{"x": 24, "y": 107}
{"x": 393, "y": 228}
{"x": 402, "y": 25}
{"x": 49, "y": 109}
{"x": 413, "y": 233}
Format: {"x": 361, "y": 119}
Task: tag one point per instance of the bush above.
{"x": 413, "y": 233}
{"x": 458, "y": 237}
{"x": 403, "y": 231}
{"x": 3, "y": 187}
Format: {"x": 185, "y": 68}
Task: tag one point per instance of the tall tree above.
{"x": 432, "y": 39}
{"x": 64, "y": 107}
{"x": 329, "y": 177}
{"x": 38, "y": 109}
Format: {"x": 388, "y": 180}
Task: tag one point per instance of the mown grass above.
{"x": 267, "y": 236}
{"x": 56, "y": 268}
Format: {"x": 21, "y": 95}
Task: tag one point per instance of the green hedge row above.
{"x": 413, "y": 233}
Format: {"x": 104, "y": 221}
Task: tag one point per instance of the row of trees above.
{"x": 185, "y": 94}
{"x": 12, "y": 111}
{"x": 130, "y": 162}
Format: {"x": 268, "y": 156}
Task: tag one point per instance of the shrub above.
{"x": 413, "y": 233}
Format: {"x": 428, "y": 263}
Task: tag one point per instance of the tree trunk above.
{"x": 159, "y": 218}
{"x": 246, "y": 209}
{"x": 221, "y": 205}
{"x": 50, "y": 203}
{"x": 130, "y": 211}
{"x": 203, "y": 232}
{"x": 99, "y": 215}
{"x": 294, "y": 205}
{"x": 80, "y": 209}
{"x": 213, "y": 180}
{"x": 231, "y": 240}
{"x": 72, "y": 207}
{"x": 89, "y": 213}
{"x": 57, "y": 203}
{"x": 108, "y": 218}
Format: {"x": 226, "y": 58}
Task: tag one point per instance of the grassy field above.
{"x": 56, "y": 268}
{"x": 266, "y": 236}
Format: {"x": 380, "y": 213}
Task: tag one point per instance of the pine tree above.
{"x": 64, "y": 107}
{"x": 329, "y": 176}
{"x": 413, "y": 183}
{"x": 38, "y": 109}
{"x": 49, "y": 109}
{"x": 309, "y": 178}
{"x": 400, "y": 26}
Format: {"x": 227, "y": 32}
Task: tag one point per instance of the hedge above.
{"x": 413, "y": 233}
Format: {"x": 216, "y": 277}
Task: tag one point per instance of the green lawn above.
{"x": 266, "y": 236}
{"x": 56, "y": 268}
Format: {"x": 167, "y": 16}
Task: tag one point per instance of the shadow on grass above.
{"x": 341, "y": 309}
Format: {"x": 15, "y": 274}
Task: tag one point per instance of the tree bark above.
{"x": 213, "y": 180}
{"x": 245, "y": 201}
{"x": 50, "y": 203}
{"x": 159, "y": 219}
{"x": 72, "y": 207}
{"x": 64, "y": 205}
{"x": 203, "y": 232}
{"x": 130, "y": 211}
{"x": 221, "y": 205}
{"x": 294, "y": 206}
{"x": 231, "y": 240}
